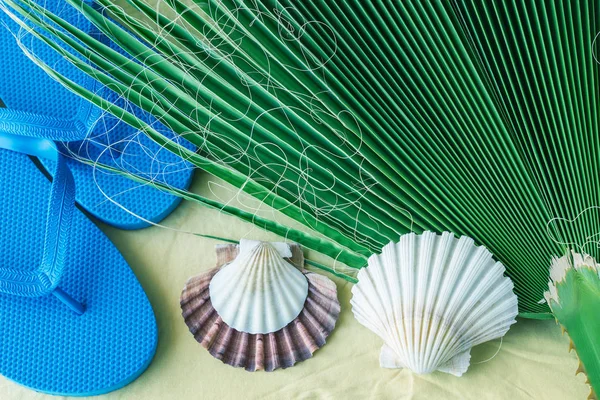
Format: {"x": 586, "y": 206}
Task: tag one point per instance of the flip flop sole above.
{"x": 44, "y": 345}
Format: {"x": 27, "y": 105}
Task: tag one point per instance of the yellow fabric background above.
{"x": 533, "y": 362}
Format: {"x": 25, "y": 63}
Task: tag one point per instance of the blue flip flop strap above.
{"x": 44, "y": 279}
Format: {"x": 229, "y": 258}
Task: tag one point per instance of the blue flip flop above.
{"x": 40, "y": 107}
{"x": 74, "y": 320}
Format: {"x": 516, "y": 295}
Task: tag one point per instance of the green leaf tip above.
{"x": 574, "y": 298}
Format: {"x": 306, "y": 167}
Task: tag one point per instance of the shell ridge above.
{"x": 408, "y": 295}
{"x": 194, "y": 286}
{"x": 423, "y": 252}
{"x": 240, "y": 316}
{"x": 444, "y": 296}
{"x": 398, "y": 304}
{"x": 480, "y": 291}
{"x": 476, "y": 319}
{"x": 439, "y": 250}
{"x": 450, "y": 288}
{"x": 322, "y": 320}
{"x": 426, "y": 254}
{"x": 316, "y": 333}
{"x": 294, "y": 286}
{"x": 463, "y": 266}
{"x": 487, "y": 311}
{"x": 320, "y": 292}
{"x": 507, "y": 308}
{"x": 362, "y": 314}
{"x": 296, "y": 341}
{"x": 284, "y": 300}
{"x": 258, "y": 262}
{"x": 205, "y": 333}
{"x": 315, "y": 308}
{"x": 283, "y": 346}
{"x": 375, "y": 301}
{"x": 436, "y": 324}
{"x": 306, "y": 344}
{"x": 468, "y": 280}
{"x": 240, "y": 343}
{"x": 194, "y": 300}
{"x": 444, "y": 331}
{"x": 259, "y": 352}
{"x": 260, "y": 302}
{"x": 259, "y": 291}
{"x": 269, "y": 363}
{"x": 249, "y": 352}
{"x": 229, "y": 277}
{"x": 198, "y": 315}
{"x": 330, "y": 314}
{"x": 296, "y": 283}
{"x": 219, "y": 346}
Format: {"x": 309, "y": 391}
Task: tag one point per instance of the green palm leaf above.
{"x": 366, "y": 120}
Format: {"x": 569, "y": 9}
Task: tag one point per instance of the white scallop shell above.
{"x": 431, "y": 298}
{"x": 259, "y": 291}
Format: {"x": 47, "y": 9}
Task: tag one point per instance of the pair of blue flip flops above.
{"x": 74, "y": 320}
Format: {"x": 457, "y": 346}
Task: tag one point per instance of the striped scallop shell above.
{"x": 431, "y": 298}
{"x": 295, "y": 342}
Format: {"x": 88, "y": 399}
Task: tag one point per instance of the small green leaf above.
{"x": 576, "y": 307}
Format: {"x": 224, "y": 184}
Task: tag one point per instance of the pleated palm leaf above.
{"x": 367, "y": 120}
